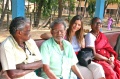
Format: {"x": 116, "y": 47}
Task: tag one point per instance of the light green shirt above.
{"x": 12, "y": 54}
{"x": 59, "y": 61}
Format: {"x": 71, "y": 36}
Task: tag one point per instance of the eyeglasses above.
{"x": 56, "y": 31}
{"x": 97, "y": 23}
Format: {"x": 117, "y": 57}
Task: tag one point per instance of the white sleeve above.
{"x": 90, "y": 40}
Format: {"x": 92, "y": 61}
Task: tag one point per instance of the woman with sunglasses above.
{"x": 103, "y": 52}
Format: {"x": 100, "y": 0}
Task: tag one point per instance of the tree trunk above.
{"x": 34, "y": 11}
{"x": 60, "y": 8}
{"x": 105, "y": 6}
{"x": 39, "y": 10}
{"x": 3, "y": 5}
{"x": 8, "y": 16}
{"x": 118, "y": 14}
{"x": 79, "y": 6}
{"x": 28, "y": 9}
{"x": 3, "y": 13}
{"x": 84, "y": 12}
{"x": 69, "y": 4}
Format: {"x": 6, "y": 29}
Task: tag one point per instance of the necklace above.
{"x": 24, "y": 47}
{"x": 95, "y": 34}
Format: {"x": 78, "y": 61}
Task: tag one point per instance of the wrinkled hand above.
{"x": 20, "y": 66}
{"x": 111, "y": 62}
{"x": 112, "y": 59}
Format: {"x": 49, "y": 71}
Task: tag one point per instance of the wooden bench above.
{"x": 112, "y": 37}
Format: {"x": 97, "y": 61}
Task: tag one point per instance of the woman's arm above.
{"x": 83, "y": 43}
{"x": 45, "y": 35}
{"x": 98, "y": 56}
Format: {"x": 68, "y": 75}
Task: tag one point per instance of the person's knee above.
{"x": 95, "y": 67}
{"x": 98, "y": 67}
{"x": 98, "y": 72}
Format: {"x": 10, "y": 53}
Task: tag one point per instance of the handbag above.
{"x": 85, "y": 56}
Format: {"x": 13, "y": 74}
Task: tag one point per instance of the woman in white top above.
{"x": 75, "y": 35}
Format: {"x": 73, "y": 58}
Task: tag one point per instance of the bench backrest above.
{"x": 112, "y": 37}
{"x": 39, "y": 42}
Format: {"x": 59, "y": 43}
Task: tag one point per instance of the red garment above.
{"x": 103, "y": 47}
{"x": 76, "y": 53}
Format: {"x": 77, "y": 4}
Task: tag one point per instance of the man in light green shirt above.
{"x": 58, "y": 54}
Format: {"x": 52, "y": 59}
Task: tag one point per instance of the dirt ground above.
{"x": 35, "y": 33}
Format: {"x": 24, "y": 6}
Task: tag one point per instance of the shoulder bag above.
{"x": 85, "y": 56}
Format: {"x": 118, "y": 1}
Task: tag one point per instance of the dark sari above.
{"x": 103, "y": 48}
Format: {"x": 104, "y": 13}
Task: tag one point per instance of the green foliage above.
{"x": 48, "y": 6}
{"x": 52, "y": 5}
{"x": 0, "y": 10}
{"x": 32, "y": 1}
{"x": 72, "y": 5}
{"x": 112, "y": 2}
{"x": 91, "y": 7}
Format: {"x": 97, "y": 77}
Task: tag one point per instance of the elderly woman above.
{"x": 104, "y": 53}
{"x": 19, "y": 54}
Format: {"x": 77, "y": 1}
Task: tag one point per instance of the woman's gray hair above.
{"x": 58, "y": 21}
{"x": 18, "y": 23}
